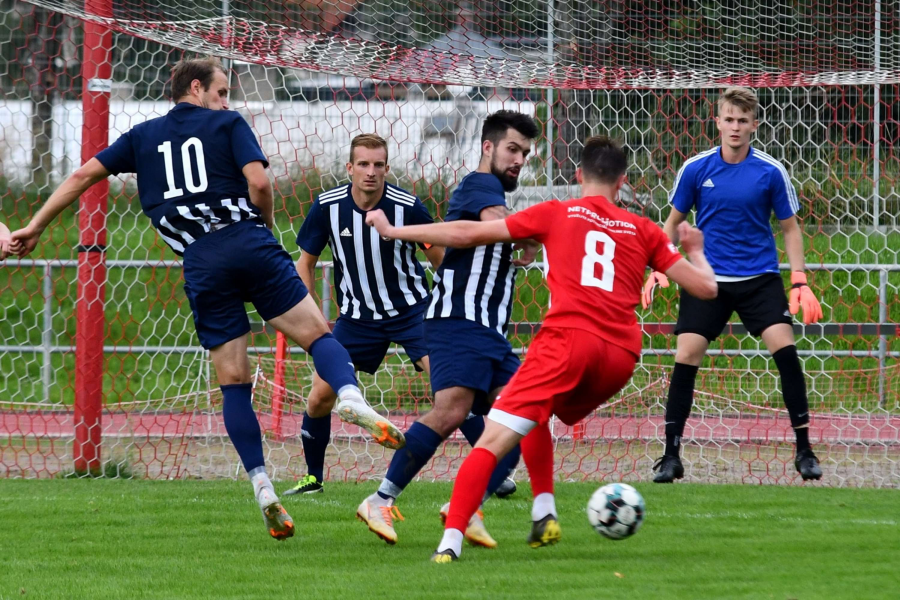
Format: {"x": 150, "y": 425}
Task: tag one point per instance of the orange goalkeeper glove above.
{"x": 802, "y": 297}
{"x": 650, "y": 286}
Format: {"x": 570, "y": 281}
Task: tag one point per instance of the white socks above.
{"x": 261, "y": 483}
{"x": 544, "y": 504}
{"x": 351, "y": 392}
{"x": 452, "y": 540}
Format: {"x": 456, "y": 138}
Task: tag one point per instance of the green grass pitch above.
{"x": 205, "y": 539}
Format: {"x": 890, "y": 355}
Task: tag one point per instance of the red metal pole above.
{"x": 96, "y": 71}
{"x": 279, "y": 389}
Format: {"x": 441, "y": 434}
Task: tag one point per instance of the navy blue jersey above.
{"x": 734, "y": 204}
{"x": 374, "y": 278}
{"x": 188, "y": 165}
{"x": 475, "y": 283}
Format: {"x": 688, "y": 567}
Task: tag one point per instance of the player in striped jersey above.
{"x": 202, "y": 181}
{"x": 465, "y": 325}
{"x": 735, "y": 189}
{"x": 381, "y": 287}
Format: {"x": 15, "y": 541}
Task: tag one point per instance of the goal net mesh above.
{"x": 309, "y": 75}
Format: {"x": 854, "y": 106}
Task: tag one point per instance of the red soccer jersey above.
{"x": 597, "y": 254}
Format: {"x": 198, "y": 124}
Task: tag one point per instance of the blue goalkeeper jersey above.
{"x": 734, "y": 204}
{"x": 475, "y": 283}
{"x": 374, "y": 278}
{"x": 189, "y": 170}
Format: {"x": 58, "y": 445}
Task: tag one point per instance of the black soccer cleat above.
{"x": 545, "y": 532}
{"x": 444, "y": 557}
{"x": 507, "y": 488}
{"x": 668, "y": 469}
{"x": 808, "y": 465}
{"x": 308, "y": 485}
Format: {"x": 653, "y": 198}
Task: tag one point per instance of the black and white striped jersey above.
{"x": 475, "y": 283}
{"x": 374, "y": 278}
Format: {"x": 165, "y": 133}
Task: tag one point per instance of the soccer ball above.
{"x": 616, "y": 511}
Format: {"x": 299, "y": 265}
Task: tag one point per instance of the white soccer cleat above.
{"x": 278, "y": 522}
{"x": 476, "y": 533}
{"x": 364, "y": 416}
{"x": 380, "y": 519}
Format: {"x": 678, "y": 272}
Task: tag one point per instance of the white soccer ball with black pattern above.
{"x": 616, "y": 511}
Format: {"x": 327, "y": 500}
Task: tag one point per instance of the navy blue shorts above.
{"x": 468, "y": 354}
{"x": 238, "y": 264}
{"x": 368, "y": 341}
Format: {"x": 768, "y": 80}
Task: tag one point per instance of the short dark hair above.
{"x": 603, "y": 160}
{"x": 496, "y": 124}
{"x": 189, "y": 69}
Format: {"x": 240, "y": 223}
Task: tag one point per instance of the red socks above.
{"x": 537, "y": 451}
{"x": 471, "y": 484}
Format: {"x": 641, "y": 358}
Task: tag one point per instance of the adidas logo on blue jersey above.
{"x": 708, "y": 183}
{"x": 346, "y": 232}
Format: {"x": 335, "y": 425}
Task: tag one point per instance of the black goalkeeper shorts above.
{"x": 760, "y": 303}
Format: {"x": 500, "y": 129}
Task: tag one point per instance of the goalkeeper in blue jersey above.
{"x": 734, "y": 189}
{"x": 202, "y": 182}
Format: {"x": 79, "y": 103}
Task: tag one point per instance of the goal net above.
{"x": 308, "y": 76}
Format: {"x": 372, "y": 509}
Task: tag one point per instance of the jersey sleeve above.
{"x": 313, "y": 235}
{"x": 244, "y": 145}
{"x": 784, "y": 196}
{"x": 119, "y": 157}
{"x": 419, "y": 215}
{"x": 662, "y": 252}
{"x": 480, "y": 194}
{"x": 534, "y": 222}
{"x": 683, "y": 191}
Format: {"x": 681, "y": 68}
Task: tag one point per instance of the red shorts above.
{"x": 567, "y": 373}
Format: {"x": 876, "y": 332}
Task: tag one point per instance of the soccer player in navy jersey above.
{"x": 381, "y": 287}
{"x": 465, "y": 324}
{"x": 202, "y": 181}
{"x": 734, "y": 189}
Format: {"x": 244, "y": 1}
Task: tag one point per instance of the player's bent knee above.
{"x": 447, "y": 415}
{"x": 232, "y": 375}
{"x": 321, "y": 401}
{"x": 303, "y": 324}
{"x": 691, "y": 349}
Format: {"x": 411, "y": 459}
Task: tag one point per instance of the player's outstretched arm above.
{"x": 696, "y": 276}
{"x": 5, "y": 241}
{"x": 454, "y": 234}
{"x": 24, "y": 240}
{"x": 260, "y": 188}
